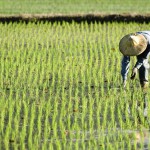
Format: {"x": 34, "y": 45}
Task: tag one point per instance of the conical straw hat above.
{"x": 132, "y": 44}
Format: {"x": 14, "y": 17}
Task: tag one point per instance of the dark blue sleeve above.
{"x": 142, "y": 57}
{"x": 125, "y": 67}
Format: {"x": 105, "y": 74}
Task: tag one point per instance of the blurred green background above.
{"x": 73, "y": 6}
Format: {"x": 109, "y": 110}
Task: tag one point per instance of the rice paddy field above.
{"x": 61, "y": 88}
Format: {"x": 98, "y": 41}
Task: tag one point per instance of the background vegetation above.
{"x": 8, "y": 7}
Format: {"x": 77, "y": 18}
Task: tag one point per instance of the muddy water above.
{"x": 131, "y": 139}
{"x": 140, "y": 138}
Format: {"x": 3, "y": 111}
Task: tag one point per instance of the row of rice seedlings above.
{"x": 62, "y": 73}
{"x": 60, "y": 47}
{"x": 56, "y": 127}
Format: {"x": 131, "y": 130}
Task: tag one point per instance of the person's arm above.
{"x": 141, "y": 59}
{"x": 137, "y": 66}
{"x": 139, "y": 63}
{"x": 125, "y": 63}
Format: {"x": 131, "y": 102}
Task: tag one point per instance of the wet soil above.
{"x": 76, "y": 18}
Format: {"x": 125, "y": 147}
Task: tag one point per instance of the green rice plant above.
{"x": 24, "y": 122}
{"x": 31, "y": 115}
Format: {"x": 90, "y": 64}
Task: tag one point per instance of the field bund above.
{"x": 125, "y": 17}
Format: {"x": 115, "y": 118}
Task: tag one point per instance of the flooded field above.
{"x": 61, "y": 88}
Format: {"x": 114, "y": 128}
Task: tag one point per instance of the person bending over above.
{"x": 136, "y": 44}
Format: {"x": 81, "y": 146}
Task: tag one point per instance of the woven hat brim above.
{"x": 127, "y": 47}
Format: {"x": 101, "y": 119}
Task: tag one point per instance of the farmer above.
{"x": 136, "y": 44}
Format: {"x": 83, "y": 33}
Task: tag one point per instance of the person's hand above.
{"x": 134, "y": 72}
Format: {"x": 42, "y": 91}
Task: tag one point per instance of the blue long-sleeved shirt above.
{"x": 141, "y": 59}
